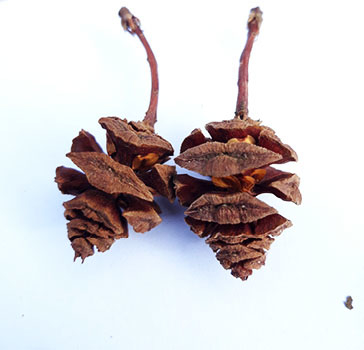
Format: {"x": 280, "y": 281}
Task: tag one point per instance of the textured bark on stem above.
{"x": 132, "y": 25}
{"x": 254, "y": 22}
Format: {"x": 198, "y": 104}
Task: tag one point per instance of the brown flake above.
{"x": 196, "y": 138}
{"x": 223, "y": 159}
{"x": 233, "y": 208}
{"x": 349, "y": 302}
{"x": 71, "y": 181}
{"x": 109, "y": 176}
{"x": 85, "y": 142}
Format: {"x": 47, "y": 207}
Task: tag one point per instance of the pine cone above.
{"x": 238, "y": 158}
{"x": 107, "y": 185}
{"x": 119, "y": 187}
{"x": 238, "y": 226}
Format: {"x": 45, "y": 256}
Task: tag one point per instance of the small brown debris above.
{"x": 349, "y": 302}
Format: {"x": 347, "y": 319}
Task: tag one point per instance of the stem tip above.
{"x": 128, "y": 21}
{"x": 255, "y": 19}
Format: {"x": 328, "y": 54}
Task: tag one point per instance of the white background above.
{"x": 64, "y": 64}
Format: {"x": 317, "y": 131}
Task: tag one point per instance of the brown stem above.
{"x": 254, "y": 21}
{"x": 132, "y": 25}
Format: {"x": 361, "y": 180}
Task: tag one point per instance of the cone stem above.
{"x": 132, "y": 25}
{"x": 254, "y": 22}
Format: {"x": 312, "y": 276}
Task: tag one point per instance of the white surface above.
{"x": 65, "y": 64}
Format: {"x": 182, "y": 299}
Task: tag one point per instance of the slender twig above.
{"x": 132, "y": 25}
{"x": 254, "y": 22}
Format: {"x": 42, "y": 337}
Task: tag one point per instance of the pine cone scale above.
{"x": 100, "y": 207}
{"x": 196, "y": 138}
{"x": 224, "y": 159}
{"x": 85, "y": 142}
{"x": 160, "y": 178}
{"x": 109, "y": 176}
{"x": 232, "y": 208}
{"x": 71, "y": 181}
{"x": 142, "y": 215}
{"x": 131, "y": 143}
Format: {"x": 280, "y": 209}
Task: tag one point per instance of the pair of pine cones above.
{"x": 119, "y": 187}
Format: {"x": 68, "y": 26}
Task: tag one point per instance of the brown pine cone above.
{"x": 119, "y": 187}
{"x": 238, "y": 158}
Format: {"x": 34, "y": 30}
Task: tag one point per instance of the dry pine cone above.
{"x": 119, "y": 187}
{"x": 238, "y": 158}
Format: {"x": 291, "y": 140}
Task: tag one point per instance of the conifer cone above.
{"x": 117, "y": 188}
{"x": 238, "y": 157}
